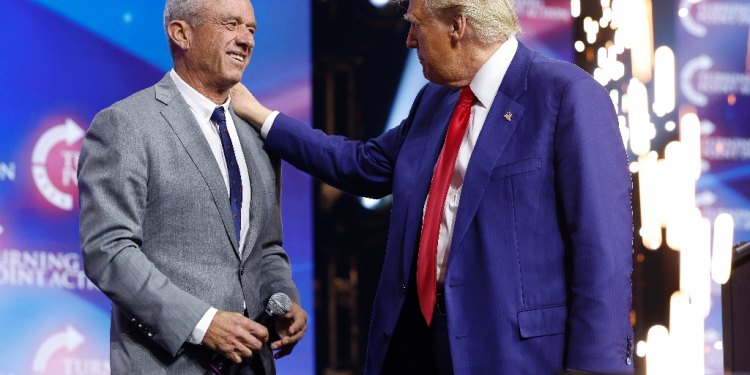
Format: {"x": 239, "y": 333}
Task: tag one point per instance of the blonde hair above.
{"x": 492, "y": 20}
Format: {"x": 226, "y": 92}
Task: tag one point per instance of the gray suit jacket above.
{"x": 157, "y": 232}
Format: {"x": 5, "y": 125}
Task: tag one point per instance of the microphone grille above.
{"x": 279, "y": 304}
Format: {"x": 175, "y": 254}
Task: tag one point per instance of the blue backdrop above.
{"x": 713, "y": 72}
{"x": 62, "y": 61}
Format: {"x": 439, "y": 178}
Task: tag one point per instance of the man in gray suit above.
{"x": 180, "y": 209}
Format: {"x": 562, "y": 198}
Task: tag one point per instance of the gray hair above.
{"x": 492, "y": 20}
{"x": 190, "y": 11}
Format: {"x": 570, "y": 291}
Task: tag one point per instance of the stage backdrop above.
{"x": 62, "y": 62}
{"x": 713, "y": 67}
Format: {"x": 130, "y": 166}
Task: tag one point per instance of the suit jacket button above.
{"x": 629, "y": 361}
{"x": 403, "y": 289}
{"x": 242, "y": 271}
{"x": 385, "y": 335}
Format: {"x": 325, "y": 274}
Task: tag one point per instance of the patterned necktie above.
{"x": 426, "y": 262}
{"x": 235, "y": 180}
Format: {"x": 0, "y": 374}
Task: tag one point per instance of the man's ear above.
{"x": 459, "y": 26}
{"x": 180, "y": 33}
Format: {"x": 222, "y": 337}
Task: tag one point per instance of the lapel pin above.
{"x": 508, "y": 116}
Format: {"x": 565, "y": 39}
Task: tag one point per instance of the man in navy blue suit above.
{"x": 510, "y": 243}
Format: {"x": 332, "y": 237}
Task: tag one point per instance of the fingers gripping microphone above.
{"x": 278, "y": 305}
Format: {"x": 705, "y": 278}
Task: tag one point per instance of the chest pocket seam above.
{"x": 516, "y": 168}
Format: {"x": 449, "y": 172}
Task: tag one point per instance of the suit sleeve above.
{"x": 113, "y": 179}
{"x": 358, "y": 168}
{"x": 276, "y": 272}
{"x": 593, "y": 188}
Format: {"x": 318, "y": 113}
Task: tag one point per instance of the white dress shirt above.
{"x": 202, "y": 109}
{"x": 485, "y": 85}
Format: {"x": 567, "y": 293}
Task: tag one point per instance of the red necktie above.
{"x": 426, "y": 262}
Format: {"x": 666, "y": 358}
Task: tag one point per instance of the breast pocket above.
{"x": 516, "y": 168}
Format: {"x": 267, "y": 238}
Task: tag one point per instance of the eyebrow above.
{"x": 227, "y": 18}
{"x": 410, "y": 17}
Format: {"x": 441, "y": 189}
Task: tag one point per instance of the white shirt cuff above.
{"x": 268, "y": 124}
{"x": 196, "y": 337}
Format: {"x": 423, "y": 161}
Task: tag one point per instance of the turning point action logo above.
{"x": 46, "y": 165}
{"x": 695, "y": 15}
{"x": 697, "y": 82}
{"x": 57, "y": 354}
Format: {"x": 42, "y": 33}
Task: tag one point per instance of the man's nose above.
{"x": 411, "y": 39}
{"x": 245, "y": 39}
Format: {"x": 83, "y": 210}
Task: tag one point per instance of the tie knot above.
{"x": 218, "y": 115}
{"x": 467, "y": 97}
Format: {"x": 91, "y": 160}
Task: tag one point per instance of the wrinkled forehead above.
{"x": 236, "y": 10}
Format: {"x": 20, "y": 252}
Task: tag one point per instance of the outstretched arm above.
{"x": 358, "y": 168}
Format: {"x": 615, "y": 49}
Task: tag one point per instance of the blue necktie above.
{"x": 235, "y": 180}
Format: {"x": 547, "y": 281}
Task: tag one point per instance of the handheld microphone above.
{"x": 278, "y": 305}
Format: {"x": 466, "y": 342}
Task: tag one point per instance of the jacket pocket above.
{"x": 542, "y": 322}
{"x": 515, "y": 168}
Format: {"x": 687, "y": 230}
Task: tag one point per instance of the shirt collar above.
{"x": 488, "y": 79}
{"x": 197, "y": 102}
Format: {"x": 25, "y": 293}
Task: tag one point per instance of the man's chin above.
{"x": 432, "y": 77}
{"x": 426, "y": 74}
{"x": 231, "y": 80}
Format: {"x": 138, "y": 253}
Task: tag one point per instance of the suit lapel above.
{"x": 495, "y": 134}
{"x": 251, "y": 146}
{"x": 178, "y": 115}
{"x": 423, "y": 177}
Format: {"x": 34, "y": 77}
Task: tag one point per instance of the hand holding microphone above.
{"x": 246, "y": 334}
{"x": 290, "y": 327}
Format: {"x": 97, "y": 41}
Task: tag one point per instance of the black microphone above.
{"x": 278, "y": 305}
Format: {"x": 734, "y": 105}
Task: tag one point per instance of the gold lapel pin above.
{"x": 508, "y": 116}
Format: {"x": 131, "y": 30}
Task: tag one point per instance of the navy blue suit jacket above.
{"x": 539, "y": 269}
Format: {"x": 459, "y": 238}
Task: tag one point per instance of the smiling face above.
{"x": 220, "y": 48}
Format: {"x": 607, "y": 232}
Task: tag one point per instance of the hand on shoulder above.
{"x": 247, "y": 107}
